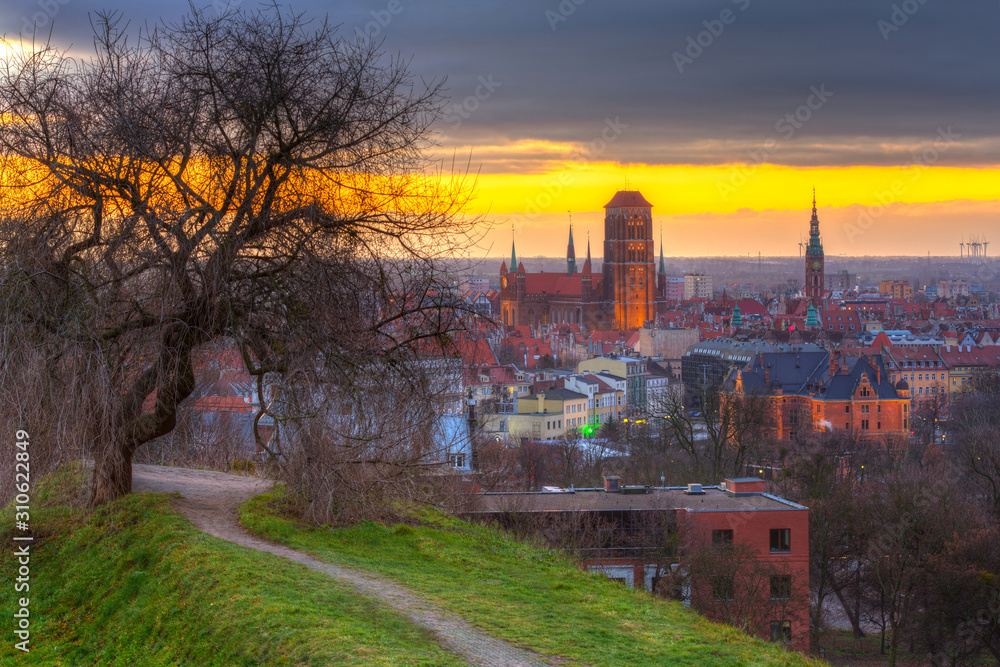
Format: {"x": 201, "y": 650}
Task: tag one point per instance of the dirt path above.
{"x": 210, "y": 500}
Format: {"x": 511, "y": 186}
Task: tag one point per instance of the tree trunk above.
{"x": 854, "y": 616}
{"x": 112, "y": 475}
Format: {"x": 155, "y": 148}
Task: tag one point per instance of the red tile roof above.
{"x": 628, "y": 199}
{"x": 959, "y": 355}
{"x": 553, "y": 283}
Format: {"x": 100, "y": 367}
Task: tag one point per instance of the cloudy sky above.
{"x": 724, "y": 113}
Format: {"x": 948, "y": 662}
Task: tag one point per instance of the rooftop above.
{"x": 628, "y": 199}
{"x": 713, "y": 499}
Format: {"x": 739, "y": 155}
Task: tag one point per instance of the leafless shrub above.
{"x": 372, "y": 449}
{"x": 247, "y": 176}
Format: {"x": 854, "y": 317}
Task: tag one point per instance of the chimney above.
{"x": 612, "y": 483}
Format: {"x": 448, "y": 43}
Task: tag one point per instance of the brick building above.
{"x": 624, "y": 296}
{"x": 817, "y": 390}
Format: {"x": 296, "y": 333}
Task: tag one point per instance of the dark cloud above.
{"x": 891, "y": 88}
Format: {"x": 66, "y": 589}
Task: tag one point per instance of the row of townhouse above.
{"x": 603, "y": 389}
{"x": 581, "y": 406}
{"x": 942, "y": 370}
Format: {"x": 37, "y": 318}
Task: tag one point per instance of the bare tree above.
{"x": 729, "y": 431}
{"x": 248, "y": 176}
{"x": 732, "y": 584}
{"x": 975, "y": 418}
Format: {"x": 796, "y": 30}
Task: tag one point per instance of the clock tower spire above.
{"x": 814, "y": 284}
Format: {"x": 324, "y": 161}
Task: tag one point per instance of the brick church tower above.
{"x": 814, "y": 285}
{"x": 629, "y": 272}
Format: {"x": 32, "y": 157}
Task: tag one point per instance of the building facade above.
{"x": 698, "y": 286}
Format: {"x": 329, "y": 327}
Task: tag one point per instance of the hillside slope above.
{"x": 527, "y": 596}
{"x": 136, "y": 584}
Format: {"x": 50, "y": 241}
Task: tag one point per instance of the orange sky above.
{"x": 735, "y": 209}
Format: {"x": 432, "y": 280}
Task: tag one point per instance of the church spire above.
{"x": 513, "y": 256}
{"x": 663, "y": 267}
{"x": 570, "y": 251}
{"x": 815, "y": 242}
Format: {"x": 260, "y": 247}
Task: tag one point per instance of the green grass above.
{"x": 529, "y": 596}
{"x": 135, "y": 584}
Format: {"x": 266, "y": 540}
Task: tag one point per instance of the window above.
{"x": 878, "y": 426}
{"x": 722, "y": 538}
{"x": 781, "y": 587}
{"x": 864, "y": 424}
{"x": 781, "y": 539}
{"x": 847, "y": 409}
{"x": 457, "y": 460}
{"x": 722, "y": 588}
{"x": 864, "y": 409}
{"x": 879, "y": 407}
{"x": 781, "y": 631}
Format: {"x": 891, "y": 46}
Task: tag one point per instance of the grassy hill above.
{"x": 135, "y": 584}
{"x": 528, "y": 596}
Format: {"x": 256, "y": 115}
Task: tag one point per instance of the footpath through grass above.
{"x": 528, "y": 596}
{"x": 135, "y": 584}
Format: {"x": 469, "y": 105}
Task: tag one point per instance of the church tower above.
{"x": 629, "y": 272}
{"x": 814, "y": 284}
